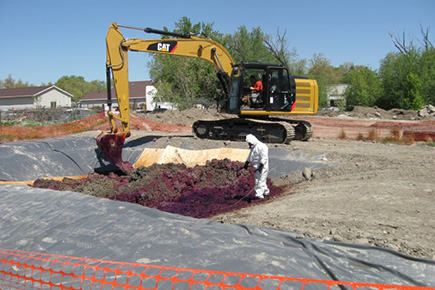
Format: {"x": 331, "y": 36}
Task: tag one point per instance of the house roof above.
{"x": 28, "y": 92}
{"x": 137, "y": 90}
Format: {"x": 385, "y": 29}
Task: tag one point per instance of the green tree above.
{"x": 343, "y": 71}
{"x": 408, "y": 76}
{"x": 394, "y": 70}
{"x": 412, "y": 99}
{"x": 427, "y": 76}
{"x": 364, "y": 87}
{"x": 78, "y": 87}
{"x": 10, "y": 83}
{"x": 247, "y": 46}
{"x": 183, "y": 80}
{"x": 325, "y": 74}
{"x": 278, "y": 47}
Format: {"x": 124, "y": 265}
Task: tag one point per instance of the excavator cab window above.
{"x": 235, "y": 83}
{"x": 252, "y": 94}
{"x": 260, "y": 87}
{"x": 280, "y": 98}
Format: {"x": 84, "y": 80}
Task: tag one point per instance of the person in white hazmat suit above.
{"x": 259, "y": 159}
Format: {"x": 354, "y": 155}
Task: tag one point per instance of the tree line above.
{"x": 405, "y": 79}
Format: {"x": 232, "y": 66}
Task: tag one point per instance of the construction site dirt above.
{"x": 369, "y": 192}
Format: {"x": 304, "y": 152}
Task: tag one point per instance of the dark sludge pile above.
{"x": 201, "y": 191}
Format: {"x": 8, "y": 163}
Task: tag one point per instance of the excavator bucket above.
{"x": 111, "y": 145}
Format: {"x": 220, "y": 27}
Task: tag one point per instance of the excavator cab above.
{"x": 277, "y": 92}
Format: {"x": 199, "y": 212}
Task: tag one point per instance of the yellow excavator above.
{"x": 257, "y": 108}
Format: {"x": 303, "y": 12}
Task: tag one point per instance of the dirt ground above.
{"x": 370, "y": 193}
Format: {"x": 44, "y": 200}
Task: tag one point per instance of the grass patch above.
{"x": 361, "y": 137}
{"x": 400, "y": 141}
{"x": 394, "y": 138}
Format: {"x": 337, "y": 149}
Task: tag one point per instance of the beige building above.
{"x": 335, "y": 95}
{"x": 34, "y": 97}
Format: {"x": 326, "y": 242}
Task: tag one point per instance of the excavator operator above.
{"x": 255, "y": 97}
{"x": 256, "y": 85}
{"x": 256, "y": 91}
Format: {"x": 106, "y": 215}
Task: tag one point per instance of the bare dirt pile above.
{"x": 202, "y": 191}
{"x": 426, "y": 113}
{"x": 189, "y": 116}
{"x": 183, "y": 118}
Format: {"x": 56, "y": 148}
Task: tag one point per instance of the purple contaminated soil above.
{"x": 201, "y": 191}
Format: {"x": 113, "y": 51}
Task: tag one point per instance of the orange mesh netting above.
{"x": 96, "y": 122}
{"x": 25, "y": 270}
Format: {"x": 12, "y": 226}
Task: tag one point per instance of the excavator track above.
{"x": 306, "y": 131}
{"x": 303, "y": 129}
{"x": 268, "y": 131}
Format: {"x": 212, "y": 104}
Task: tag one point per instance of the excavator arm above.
{"x": 117, "y": 48}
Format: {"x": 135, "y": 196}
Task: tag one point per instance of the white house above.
{"x": 34, "y": 97}
{"x": 154, "y": 102}
{"x": 143, "y": 94}
{"x": 335, "y": 94}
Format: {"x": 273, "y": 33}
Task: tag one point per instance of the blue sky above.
{"x": 43, "y": 40}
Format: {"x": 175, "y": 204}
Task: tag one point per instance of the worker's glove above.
{"x": 260, "y": 168}
{"x": 246, "y": 165}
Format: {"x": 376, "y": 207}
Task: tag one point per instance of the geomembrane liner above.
{"x": 77, "y": 225}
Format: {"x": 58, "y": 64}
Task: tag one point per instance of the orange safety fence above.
{"x": 96, "y": 122}
{"x": 26, "y": 270}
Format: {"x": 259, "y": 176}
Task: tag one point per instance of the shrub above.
{"x": 342, "y": 135}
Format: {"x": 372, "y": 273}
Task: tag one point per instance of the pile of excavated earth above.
{"x": 201, "y": 191}
{"x": 188, "y": 117}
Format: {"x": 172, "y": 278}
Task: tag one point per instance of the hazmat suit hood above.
{"x": 252, "y": 139}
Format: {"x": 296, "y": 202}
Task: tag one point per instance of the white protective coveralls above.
{"x": 259, "y": 155}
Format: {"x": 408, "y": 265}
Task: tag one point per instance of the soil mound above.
{"x": 201, "y": 191}
{"x": 183, "y": 118}
{"x": 358, "y": 112}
